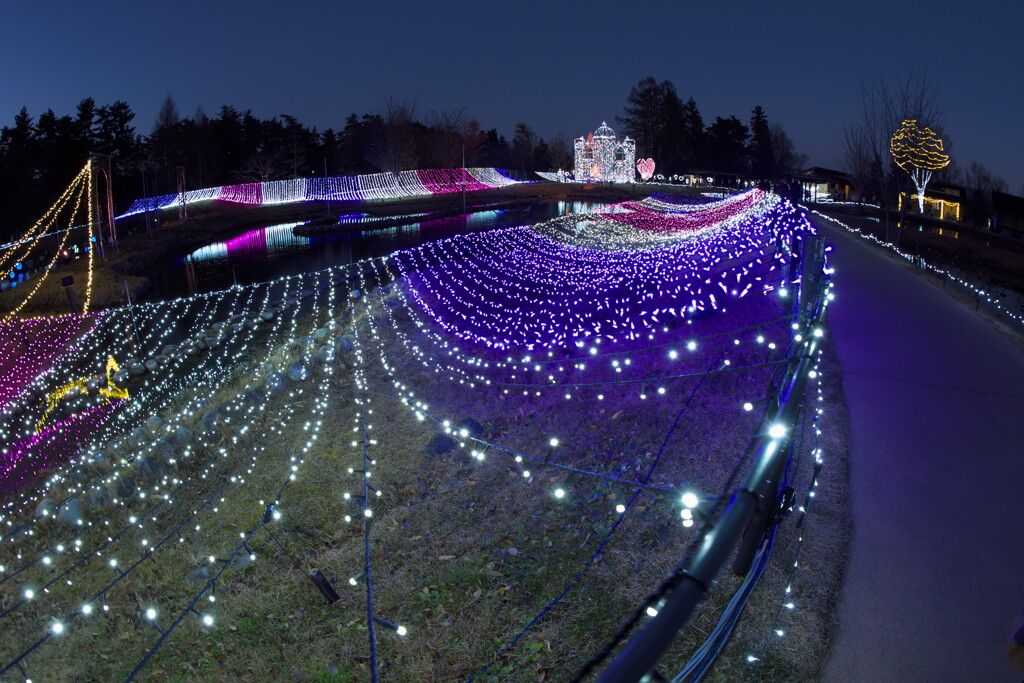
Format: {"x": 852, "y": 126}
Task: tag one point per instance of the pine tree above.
{"x": 643, "y": 115}
{"x": 726, "y": 148}
{"x": 760, "y": 149}
{"x": 693, "y": 125}
{"x": 673, "y": 145}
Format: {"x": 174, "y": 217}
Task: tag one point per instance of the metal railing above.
{"x": 748, "y": 514}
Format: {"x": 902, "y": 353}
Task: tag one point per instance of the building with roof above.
{"x": 824, "y": 184}
{"x": 941, "y": 201}
{"x": 1008, "y": 213}
{"x": 601, "y": 158}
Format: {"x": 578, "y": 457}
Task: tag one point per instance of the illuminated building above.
{"x": 602, "y": 158}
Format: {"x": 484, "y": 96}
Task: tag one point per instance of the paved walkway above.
{"x": 936, "y": 402}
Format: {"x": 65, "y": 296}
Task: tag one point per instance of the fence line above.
{"x": 679, "y": 595}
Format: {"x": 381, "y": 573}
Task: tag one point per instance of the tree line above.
{"x": 673, "y": 133}
{"x": 40, "y": 156}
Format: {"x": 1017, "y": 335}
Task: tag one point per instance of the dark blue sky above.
{"x": 558, "y": 65}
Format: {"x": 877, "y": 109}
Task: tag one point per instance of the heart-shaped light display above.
{"x": 645, "y": 168}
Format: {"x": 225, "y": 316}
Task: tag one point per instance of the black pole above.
{"x": 131, "y": 311}
{"x": 642, "y": 653}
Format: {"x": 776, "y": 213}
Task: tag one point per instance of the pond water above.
{"x": 274, "y": 251}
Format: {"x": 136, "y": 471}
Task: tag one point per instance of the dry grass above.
{"x": 464, "y": 553}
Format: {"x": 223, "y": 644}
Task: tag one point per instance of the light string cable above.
{"x": 507, "y": 306}
{"x": 75, "y": 355}
{"x": 795, "y": 352}
{"x": 400, "y": 291}
{"x": 786, "y": 602}
{"x": 199, "y": 471}
{"x": 13, "y": 313}
{"x": 45, "y": 556}
{"x": 707, "y": 654}
{"x": 636, "y": 492}
{"x": 90, "y": 240}
{"x": 204, "y": 298}
{"x": 977, "y": 291}
{"x": 125, "y": 572}
{"x": 474, "y": 361}
{"x": 565, "y": 364}
{"x": 144, "y": 396}
{"x": 363, "y": 401}
{"x": 271, "y": 512}
{"x": 231, "y": 479}
{"x": 576, "y": 579}
{"x": 60, "y": 372}
{"x": 46, "y": 346}
{"x": 519, "y": 456}
{"x": 114, "y": 335}
{"x": 408, "y": 400}
{"x": 48, "y": 218}
{"x": 165, "y": 500}
{"x": 417, "y": 183}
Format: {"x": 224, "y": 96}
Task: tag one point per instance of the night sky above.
{"x": 559, "y": 66}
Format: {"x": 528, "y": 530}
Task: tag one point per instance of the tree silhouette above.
{"x": 642, "y": 121}
{"x": 726, "y": 145}
{"x": 760, "y": 148}
{"x": 919, "y": 152}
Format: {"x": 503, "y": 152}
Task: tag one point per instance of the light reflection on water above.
{"x": 275, "y": 251}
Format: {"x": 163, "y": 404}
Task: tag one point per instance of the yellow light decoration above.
{"x": 47, "y": 220}
{"x": 49, "y": 266}
{"x": 111, "y": 392}
{"x": 89, "y": 242}
{"x": 918, "y": 151}
{"x": 948, "y": 210}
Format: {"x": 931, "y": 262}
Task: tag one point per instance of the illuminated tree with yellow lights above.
{"x": 918, "y": 151}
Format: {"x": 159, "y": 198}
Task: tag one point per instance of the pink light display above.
{"x": 448, "y": 180}
{"x": 517, "y": 288}
{"x": 346, "y": 188}
{"x": 687, "y": 218}
{"x": 645, "y": 167}
{"x": 249, "y": 193}
{"x": 24, "y": 460}
{"x": 29, "y": 347}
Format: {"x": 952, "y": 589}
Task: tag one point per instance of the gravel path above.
{"x": 936, "y": 401}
